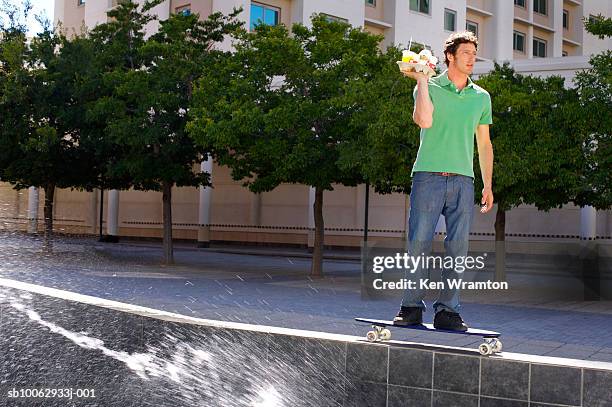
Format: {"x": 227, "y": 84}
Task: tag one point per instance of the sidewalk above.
{"x": 271, "y": 286}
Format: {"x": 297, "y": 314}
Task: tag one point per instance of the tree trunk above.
{"x": 48, "y": 213}
{"x": 317, "y": 253}
{"x": 500, "y": 244}
{"x": 167, "y": 209}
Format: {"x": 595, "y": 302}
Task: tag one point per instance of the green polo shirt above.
{"x": 448, "y": 145}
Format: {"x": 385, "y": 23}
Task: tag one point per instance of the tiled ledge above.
{"x": 97, "y": 343}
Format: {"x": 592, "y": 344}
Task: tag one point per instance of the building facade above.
{"x": 507, "y": 29}
{"x": 540, "y": 37}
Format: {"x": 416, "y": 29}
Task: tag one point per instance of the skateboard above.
{"x": 380, "y": 333}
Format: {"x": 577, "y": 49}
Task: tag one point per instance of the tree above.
{"x": 388, "y": 139}
{"x": 40, "y": 135}
{"x": 598, "y": 25}
{"x": 14, "y": 80}
{"x": 151, "y": 88}
{"x": 594, "y": 87}
{"x": 274, "y": 111}
{"x": 537, "y": 136}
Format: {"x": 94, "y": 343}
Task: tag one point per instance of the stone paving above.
{"x": 272, "y": 287}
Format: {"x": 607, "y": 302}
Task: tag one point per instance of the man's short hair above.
{"x": 452, "y": 43}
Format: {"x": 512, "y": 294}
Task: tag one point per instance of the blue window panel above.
{"x": 257, "y": 15}
{"x": 271, "y": 17}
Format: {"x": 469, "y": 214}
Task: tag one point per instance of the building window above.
{"x": 539, "y": 6}
{"x": 184, "y": 10}
{"x": 471, "y": 26}
{"x": 80, "y": 2}
{"x": 563, "y": 53}
{"x": 417, "y": 46}
{"x": 539, "y": 47}
{"x": 422, "y": 6}
{"x": 370, "y": 3}
{"x": 519, "y": 3}
{"x": 264, "y": 14}
{"x": 565, "y": 19}
{"x": 333, "y": 19}
{"x": 593, "y": 19}
{"x": 450, "y": 17}
{"x": 518, "y": 41}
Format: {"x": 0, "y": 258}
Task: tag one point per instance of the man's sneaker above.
{"x": 409, "y": 316}
{"x": 450, "y": 321}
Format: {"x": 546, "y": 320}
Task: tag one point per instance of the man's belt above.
{"x": 445, "y": 174}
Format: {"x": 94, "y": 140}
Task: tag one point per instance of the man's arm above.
{"x": 423, "y": 108}
{"x": 485, "y": 157}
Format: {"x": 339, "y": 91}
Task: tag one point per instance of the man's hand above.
{"x": 414, "y": 75}
{"x": 485, "y": 156}
{"x": 487, "y": 200}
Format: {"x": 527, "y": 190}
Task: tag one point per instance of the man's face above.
{"x": 464, "y": 58}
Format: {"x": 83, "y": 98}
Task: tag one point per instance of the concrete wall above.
{"x": 375, "y": 30}
{"x": 72, "y": 16}
{"x": 376, "y": 12}
{"x": 574, "y": 30}
{"x": 591, "y": 43}
{"x": 201, "y": 7}
{"x": 480, "y": 20}
{"x": 565, "y": 67}
{"x": 480, "y": 4}
{"x": 523, "y": 12}
{"x": 352, "y": 10}
{"x": 497, "y": 30}
{"x": 95, "y": 12}
{"x": 546, "y": 36}
{"x": 545, "y": 19}
{"x": 134, "y": 356}
{"x": 423, "y": 28}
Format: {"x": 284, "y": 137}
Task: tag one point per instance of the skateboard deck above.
{"x": 380, "y": 332}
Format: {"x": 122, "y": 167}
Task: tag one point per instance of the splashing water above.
{"x": 202, "y": 370}
{"x": 268, "y": 398}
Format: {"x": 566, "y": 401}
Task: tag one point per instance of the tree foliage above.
{"x": 599, "y": 26}
{"x": 594, "y": 87}
{"x": 146, "y": 87}
{"x": 275, "y": 111}
{"x": 388, "y": 139}
{"x": 42, "y": 113}
{"x": 537, "y": 137}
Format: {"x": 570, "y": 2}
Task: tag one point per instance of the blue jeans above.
{"x": 434, "y": 194}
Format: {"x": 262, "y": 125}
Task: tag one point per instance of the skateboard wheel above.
{"x": 485, "y": 349}
{"x": 495, "y": 343}
{"x": 385, "y": 334}
{"x": 372, "y": 336}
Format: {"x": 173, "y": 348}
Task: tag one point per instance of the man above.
{"x": 449, "y": 109}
